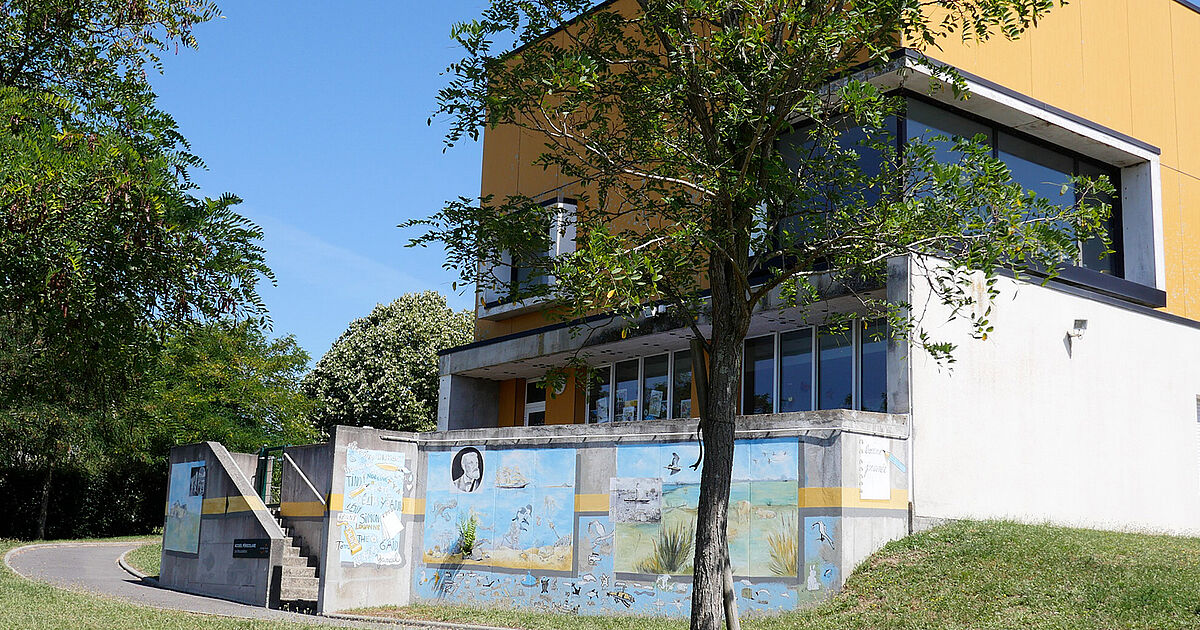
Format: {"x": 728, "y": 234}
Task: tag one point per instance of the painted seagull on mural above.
{"x": 823, "y": 534}
{"x": 674, "y": 465}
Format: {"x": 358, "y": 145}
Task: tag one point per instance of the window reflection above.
{"x": 654, "y": 387}
{"x": 835, "y": 371}
{"x": 682, "y": 388}
{"x": 873, "y": 366}
{"x": 796, "y": 370}
{"x": 625, "y": 408}
{"x": 758, "y": 381}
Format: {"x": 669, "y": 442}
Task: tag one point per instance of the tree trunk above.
{"x": 43, "y": 514}
{"x": 712, "y": 586}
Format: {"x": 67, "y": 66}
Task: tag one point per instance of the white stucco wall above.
{"x": 1101, "y": 432}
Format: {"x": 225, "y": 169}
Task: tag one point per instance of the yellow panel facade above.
{"x": 1189, "y": 190}
{"x": 1185, "y": 38}
{"x": 1105, "y": 62}
{"x": 1152, "y": 76}
{"x": 1173, "y": 241}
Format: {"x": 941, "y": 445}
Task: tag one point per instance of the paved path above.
{"x": 93, "y": 568}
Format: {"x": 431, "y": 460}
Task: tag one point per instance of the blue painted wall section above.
{"x": 534, "y": 551}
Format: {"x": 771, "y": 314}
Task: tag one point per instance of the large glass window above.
{"x": 796, "y": 370}
{"x": 600, "y": 394}
{"x": 681, "y": 394}
{"x": 873, "y": 367}
{"x": 758, "y": 381}
{"x": 654, "y": 387}
{"x": 1093, "y": 250}
{"x": 835, "y": 372}
{"x": 939, "y": 129}
{"x": 626, "y": 406}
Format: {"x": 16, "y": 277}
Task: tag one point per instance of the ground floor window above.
{"x": 535, "y": 403}
{"x": 817, "y": 368}
{"x": 797, "y": 370}
{"x": 649, "y": 388}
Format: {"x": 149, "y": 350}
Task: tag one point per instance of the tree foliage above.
{"x": 103, "y": 243}
{"x": 383, "y": 371}
{"x": 225, "y": 381}
{"x": 704, "y": 139}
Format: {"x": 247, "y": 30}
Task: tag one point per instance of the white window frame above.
{"x": 537, "y": 406}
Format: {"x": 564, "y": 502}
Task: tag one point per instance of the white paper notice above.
{"x": 874, "y": 479}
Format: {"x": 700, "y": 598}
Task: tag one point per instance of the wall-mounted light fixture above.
{"x": 1079, "y": 329}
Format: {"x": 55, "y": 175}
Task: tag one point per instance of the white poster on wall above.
{"x": 874, "y": 479}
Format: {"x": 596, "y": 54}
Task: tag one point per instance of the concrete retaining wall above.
{"x": 1098, "y": 431}
{"x": 227, "y": 509}
{"x": 577, "y": 518}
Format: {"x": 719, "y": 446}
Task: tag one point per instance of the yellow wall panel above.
{"x": 1189, "y": 197}
{"x": 1057, "y": 59}
{"x": 1185, "y": 36}
{"x": 500, "y": 159}
{"x": 1152, "y": 76}
{"x": 1105, "y": 62}
{"x": 1172, "y": 242}
{"x": 1007, "y": 62}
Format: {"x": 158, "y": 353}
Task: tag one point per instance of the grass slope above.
{"x": 37, "y": 606}
{"x": 968, "y": 575}
{"x": 965, "y": 575}
{"x": 146, "y": 558}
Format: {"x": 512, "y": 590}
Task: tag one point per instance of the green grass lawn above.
{"x": 965, "y": 575}
{"x": 969, "y": 575}
{"x": 146, "y": 558}
{"x": 36, "y": 606}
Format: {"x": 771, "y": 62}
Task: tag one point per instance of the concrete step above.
{"x": 299, "y": 561}
{"x": 298, "y": 595}
{"x": 290, "y": 583}
{"x": 291, "y": 552}
{"x": 299, "y": 571}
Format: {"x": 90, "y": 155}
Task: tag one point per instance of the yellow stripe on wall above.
{"x": 850, "y": 498}
{"x": 245, "y": 504}
{"x": 409, "y": 505}
{"x": 302, "y": 508}
{"x": 591, "y": 503}
{"x": 213, "y": 506}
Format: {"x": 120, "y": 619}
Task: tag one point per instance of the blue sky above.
{"x": 315, "y": 114}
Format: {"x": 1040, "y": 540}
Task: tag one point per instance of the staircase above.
{"x": 298, "y": 581}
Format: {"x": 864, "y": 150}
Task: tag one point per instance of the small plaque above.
{"x": 252, "y": 548}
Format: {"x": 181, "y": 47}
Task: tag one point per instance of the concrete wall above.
{"x": 361, "y": 566}
{"x": 1099, "y": 431}
{"x": 230, "y": 511}
{"x": 304, "y": 507}
{"x": 568, "y": 518}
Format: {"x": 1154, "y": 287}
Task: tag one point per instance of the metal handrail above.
{"x": 304, "y": 477}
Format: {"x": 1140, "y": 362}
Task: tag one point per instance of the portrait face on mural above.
{"x": 466, "y": 471}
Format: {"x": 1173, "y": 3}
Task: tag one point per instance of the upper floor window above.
{"x": 520, "y": 276}
{"x": 1035, "y": 165}
{"x": 1038, "y": 167}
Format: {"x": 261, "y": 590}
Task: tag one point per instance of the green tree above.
{"x": 104, "y": 245}
{"x": 383, "y": 371}
{"x": 225, "y": 381}
{"x": 713, "y": 128}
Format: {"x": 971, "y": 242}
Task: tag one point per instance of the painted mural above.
{"x": 518, "y": 523}
{"x": 534, "y": 551}
{"x": 185, "y": 503}
{"x": 371, "y": 521}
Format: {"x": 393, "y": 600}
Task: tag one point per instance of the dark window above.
{"x": 682, "y": 388}
{"x": 535, "y": 392}
{"x": 926, "y": 122}
{"x": 873, "y": 367}
{"x": 796, "y": 370}
{"x": 654, "y": 387}
{"x": 835, "y": 375}
{"x": 758, "y": 381}
{"x": 1093, "y": 250}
